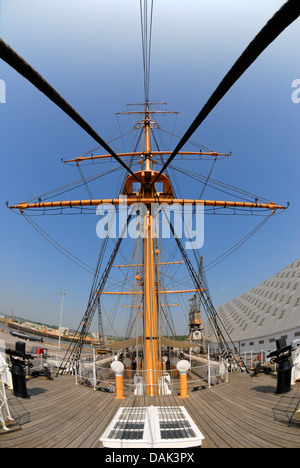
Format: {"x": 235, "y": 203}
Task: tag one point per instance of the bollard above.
{"x": 118, "y": 368}
{"x": 183, "y": 367}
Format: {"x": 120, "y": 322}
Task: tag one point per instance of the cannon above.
{"x": 19, "y": 361}
{"x": 282, "y": 357}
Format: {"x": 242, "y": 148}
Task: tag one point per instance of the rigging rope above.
{"x": 17, "y": 62}
{"x": 230, "y": 251}
{"x": 58, "y": 247}
{"x": 85, "y": 181}
{"x": 207, "y": 179}
{"x": 146, "y": 26}
{"x": 285, "y": 16}
{"x": 71, "y": 186}
{"x": 244, "y": 195}
{"x": 191, "y": 142}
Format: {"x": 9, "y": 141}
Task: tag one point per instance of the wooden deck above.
{"x": 244, "y": 413}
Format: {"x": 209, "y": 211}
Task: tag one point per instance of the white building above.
{"x": 267, "y": 312}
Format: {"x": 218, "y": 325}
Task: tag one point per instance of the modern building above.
{"x": 267, "y": 312}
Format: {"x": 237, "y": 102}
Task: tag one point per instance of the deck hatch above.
{"x": 153, "y": 426}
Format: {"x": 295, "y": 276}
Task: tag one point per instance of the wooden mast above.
{"x": 151, "y": 364}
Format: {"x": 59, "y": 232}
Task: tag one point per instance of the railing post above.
{"x": 94, "y": 369}
{"x": 4, "y": 403}
{"x": 209, "y": 370}
{"x": 127, "y": 363}
{"x": 164, "y": 364}
{"x": 174, "y": 362}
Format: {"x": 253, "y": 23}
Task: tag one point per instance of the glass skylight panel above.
{"x": 130, "y": 424}
{"x": 146, "y": 427}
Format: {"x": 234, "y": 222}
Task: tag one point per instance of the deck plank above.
{"x": 237, "y": 414}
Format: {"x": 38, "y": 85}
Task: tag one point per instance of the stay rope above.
{"x": 146, "y": 13}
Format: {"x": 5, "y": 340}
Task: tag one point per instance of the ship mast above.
{"x": 151, "y": 357}
{"x": 140, "y": 187}
{"x": 151, "y": 364}
{"x": 148, "y": 179}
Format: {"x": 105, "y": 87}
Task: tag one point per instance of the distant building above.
{"x": 267, "y": 312}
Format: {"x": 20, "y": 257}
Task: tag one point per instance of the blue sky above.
{"x": 90, "y": 51}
